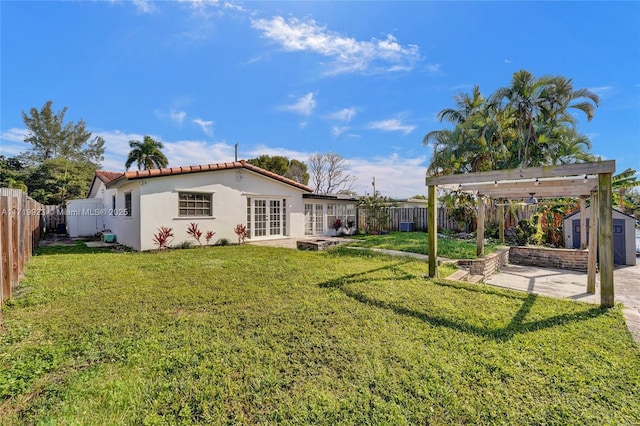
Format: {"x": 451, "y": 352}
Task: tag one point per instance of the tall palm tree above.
{"x": 540, "y": 106}
{"x": 148, "y": 154}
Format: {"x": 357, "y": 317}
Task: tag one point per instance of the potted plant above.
{"x": 337, "y": 224}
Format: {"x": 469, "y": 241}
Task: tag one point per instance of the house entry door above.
{"x": 267, "y": 218}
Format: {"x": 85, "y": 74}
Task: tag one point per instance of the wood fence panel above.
{"x": 5, "y": 245}
{"x": 20, "y": 228}
{"x": 15, "y": 243}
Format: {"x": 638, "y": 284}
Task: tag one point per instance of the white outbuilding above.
{"x": 624, "y": 234}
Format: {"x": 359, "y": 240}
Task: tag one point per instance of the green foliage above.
{"x": 223, "y": 242}
{"x": 291, "y": 169}
{"x": 337, "y": 337}
{"x": 61, "y": 162}
{"x": 50, "y": 138}
{"x": 147, "y": 154}
{"x": 377, "y": 213}
{"x": 525, "y": 232}
{"x": 186, "y": 244}
{"x": 528, "y": 123}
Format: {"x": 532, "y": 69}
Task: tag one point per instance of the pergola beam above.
{"x": 526, "y": 173}
{"x": 570, "y": 180}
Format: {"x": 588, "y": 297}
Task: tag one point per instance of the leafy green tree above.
{"x": 50, "y": 137}
{"x": 147, "y": 154}
{"x": 621, "y": 185}
{"x": 63, "y": 157}
{"x": 12, "y": 173}
{"x": 280, "y": 165}
{"x": 297, "y": 171}
{"x": 376, "y": 212}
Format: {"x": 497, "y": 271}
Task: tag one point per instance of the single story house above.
{"x": 624, "y": 233}
{"x": 217, "y": 197}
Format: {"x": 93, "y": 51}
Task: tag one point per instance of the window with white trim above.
{"x": 194, "y": 204}
{"x": 127, "y": 203}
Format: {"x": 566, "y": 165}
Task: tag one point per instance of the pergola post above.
{"x": 501, "y": 219}
{"x": 593, "y": 238}
{"x": 605, "y": 240}
{"x": 583, "y": 223}
{"x": 432, "y": 229}
{"x": 480, "y": 230}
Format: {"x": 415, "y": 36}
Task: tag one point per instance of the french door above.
{"x": 267, "y": 217}
{"x": 313, "y": 219}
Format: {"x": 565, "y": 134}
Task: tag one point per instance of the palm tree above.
{"x": 541, "y": 106}
{"x": 147, "y": 154}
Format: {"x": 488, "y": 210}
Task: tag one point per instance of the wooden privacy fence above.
{"x": 20, "y": 227}
{"x": 398, "y": 218}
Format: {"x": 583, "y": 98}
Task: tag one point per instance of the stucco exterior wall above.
{"x": 158, "y": 204}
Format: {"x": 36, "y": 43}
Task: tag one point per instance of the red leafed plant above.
{"x": 194, "y": 232}
{"x": 163, "y": 236}
{"x": 209, "y": 235}
{"x": 241, "y": 232}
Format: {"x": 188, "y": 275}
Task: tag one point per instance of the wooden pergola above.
{"x": 571, "y": 180}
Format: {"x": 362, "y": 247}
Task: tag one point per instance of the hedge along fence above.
{"x": 20, "y": 226}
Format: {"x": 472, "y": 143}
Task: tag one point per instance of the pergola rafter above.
{"x": 571, "y": 180}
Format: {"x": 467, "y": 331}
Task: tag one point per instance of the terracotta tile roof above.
{"x": 107, "y": 177}
{"x": 242, "y": 164}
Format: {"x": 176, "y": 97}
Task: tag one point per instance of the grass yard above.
{"x": 247, "y": 334}
{"x": 416, "y": 242}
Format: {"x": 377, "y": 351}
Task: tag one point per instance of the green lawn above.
{"x": 247, "y": 334}
{"x": 416, "y": 242}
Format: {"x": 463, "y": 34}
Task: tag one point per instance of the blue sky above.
{"x": 362, "y": 79}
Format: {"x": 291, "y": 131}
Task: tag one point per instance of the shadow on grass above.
{"x": 78, "y": 248}
{"x": 516, "y": 326}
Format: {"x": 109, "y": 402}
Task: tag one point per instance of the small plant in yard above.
{"x": 186, "y": 244}
{"x": 336, "y": 225}
{"x": 208, "y": 236}
{"x": 223, "y": 242}
{"x": 163, "y": 237}
{"x": 194, "y": 232}
{"x": 241, "y": 232}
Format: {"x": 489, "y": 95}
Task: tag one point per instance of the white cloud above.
{"x": 392, "y": 125}
{"x": 345, "y": 114}
{"x": 144, "y": 6}
{"x": 348, "y": 54}
{"x": 173, "y": 115}
{"x": 273, "y": 151}
{"x": 338, "y": 130}
{"x": 179, "y": 153}
{"x": 205, "y": 126}
{"x": 435, "y": 69}
{"x": 396, "y": 176}
{"x": 304, "y": 106}
{"x": 191, "y": 153}
{"x": 508, "y": 61}
{"x": 14, "y": 135}
{"x": 603, "y": 91}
